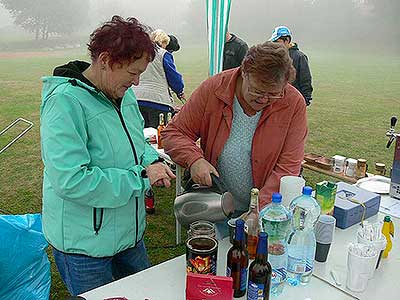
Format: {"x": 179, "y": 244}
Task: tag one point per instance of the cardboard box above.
{"x": 351, "y": 202}
{"x": 208, "y": 287}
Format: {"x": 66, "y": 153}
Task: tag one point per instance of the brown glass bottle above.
{"x": 252, "y": 221}
{"x": 238, "y": 261}
{"x": 169, "y": 117}
{"x": 260, "y": 271}
{"x": 161, "y": 126}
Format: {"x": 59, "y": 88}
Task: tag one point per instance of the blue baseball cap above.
{"x": 279, "y": 32}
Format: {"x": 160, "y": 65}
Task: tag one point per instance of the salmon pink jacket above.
{"x": 278, "y": 142}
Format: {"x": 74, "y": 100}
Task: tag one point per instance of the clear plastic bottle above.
{"x": 301, "y": 240}
{"x": 276, "y": 221}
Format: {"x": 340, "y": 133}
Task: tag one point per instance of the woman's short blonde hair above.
{"x": 160, "y": 37}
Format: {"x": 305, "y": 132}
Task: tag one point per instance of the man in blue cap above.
{"x": 303, "y": 81}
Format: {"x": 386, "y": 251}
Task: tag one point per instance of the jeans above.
{"x": 82, "y": 273}
{"x": 151, "y": 115}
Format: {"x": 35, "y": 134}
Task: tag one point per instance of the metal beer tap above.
{"x": 395, "y": 174}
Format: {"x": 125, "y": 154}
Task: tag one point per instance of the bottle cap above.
{"x": 307, "y": 190}
{"x": 276, "y": 198}
{"x": 262, "y": 243}
{"x": 239, "y": 230}
{"x": 254, "y": 192}
{"x": 239, "y": 223}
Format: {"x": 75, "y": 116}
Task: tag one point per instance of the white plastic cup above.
{"x": 379, "y": 245}
{"x": 358, "y": 270}
{"x": 290, "y": 188}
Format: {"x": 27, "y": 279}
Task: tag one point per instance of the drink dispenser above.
{"x": 395, "y": 174}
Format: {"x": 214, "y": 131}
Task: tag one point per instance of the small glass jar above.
{"x": 380, "y": 169}
{"x": 201, "y": 228}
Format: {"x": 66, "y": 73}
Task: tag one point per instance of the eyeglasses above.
{"x": 263, "y": 96}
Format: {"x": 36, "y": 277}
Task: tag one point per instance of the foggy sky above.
{"x": 5, "y": 17}
{"x": 253, "y": 20}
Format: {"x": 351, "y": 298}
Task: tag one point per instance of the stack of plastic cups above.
{"x": 290, "y": 187}
{"x": 361, "y": 261}
{"x": 379, "y": 243}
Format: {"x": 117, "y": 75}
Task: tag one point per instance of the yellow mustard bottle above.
{"x": 387, "y": 231}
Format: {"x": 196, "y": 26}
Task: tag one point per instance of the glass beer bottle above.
{"x": 260, "y": 271}
{"x": 238, "y": 261}
{"x": 252, "y": 222}
{"x": 161, "y": 126}
{"x": 169, "y": 117}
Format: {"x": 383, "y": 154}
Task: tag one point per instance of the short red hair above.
{"x": 124, "y": 40}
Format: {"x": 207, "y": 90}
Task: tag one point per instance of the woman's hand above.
{"x": 177, "y": 108}
{"x": 200, "y": 172}
{"x": 159, "y": 174}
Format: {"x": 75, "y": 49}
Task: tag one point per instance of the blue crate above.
{"x": 348, "y": 213}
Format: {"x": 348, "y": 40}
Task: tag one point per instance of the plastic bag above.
{"x": 24, "y": 265}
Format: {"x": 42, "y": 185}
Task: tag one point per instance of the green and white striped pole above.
{"x": 217, "y": 24}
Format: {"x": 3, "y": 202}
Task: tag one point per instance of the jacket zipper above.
{"x": 95, "y": 226}
{"x": 136, "y": 162}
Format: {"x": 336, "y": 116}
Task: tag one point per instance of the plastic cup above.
{"x": 290, "y": 188}
{"x": 324, "y": 229}
{"x": 359, "y": 269}
{"x": 379, "y": 245}
{"x": 232, "y": 225}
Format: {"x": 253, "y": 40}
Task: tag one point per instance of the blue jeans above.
{"x": 82, "y": 273}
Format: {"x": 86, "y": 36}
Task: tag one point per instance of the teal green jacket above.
{"x": 93, "y": 155}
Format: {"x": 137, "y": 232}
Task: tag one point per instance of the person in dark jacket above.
{"x": 303, "y": 81}
{"x": 173, "y": 44}
{"x": 234, "y": 51}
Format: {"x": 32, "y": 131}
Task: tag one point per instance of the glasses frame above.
{"x": 263, "y": 96}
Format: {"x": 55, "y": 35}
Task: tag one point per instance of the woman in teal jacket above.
{"x": 97, "y": 164}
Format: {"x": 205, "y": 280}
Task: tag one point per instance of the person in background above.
{"x": 234, "y": 51}
{"x": 251, "y": 123}
{"x": 303, "y": 81}
{"x": 97, "y": 164}
{"x": 152, "y": 92}
{"x": 173, "y": 44}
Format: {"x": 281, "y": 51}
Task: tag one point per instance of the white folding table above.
{"x": 166, "y": 281}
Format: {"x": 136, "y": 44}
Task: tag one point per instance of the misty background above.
{"x": 47, "y": 24}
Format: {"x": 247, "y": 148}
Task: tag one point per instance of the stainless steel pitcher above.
{"x": 198, "y": 202}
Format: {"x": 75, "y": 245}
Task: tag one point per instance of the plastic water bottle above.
{"x": 276, "y": 220}
{"x": 301, "y": 240}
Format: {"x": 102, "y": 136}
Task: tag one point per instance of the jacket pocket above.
{"x": 97, "y": 219}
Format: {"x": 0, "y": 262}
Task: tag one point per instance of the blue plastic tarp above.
{"x": 24, "y": 265}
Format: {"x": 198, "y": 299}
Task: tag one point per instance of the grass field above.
{"x": 355, "y": 94}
